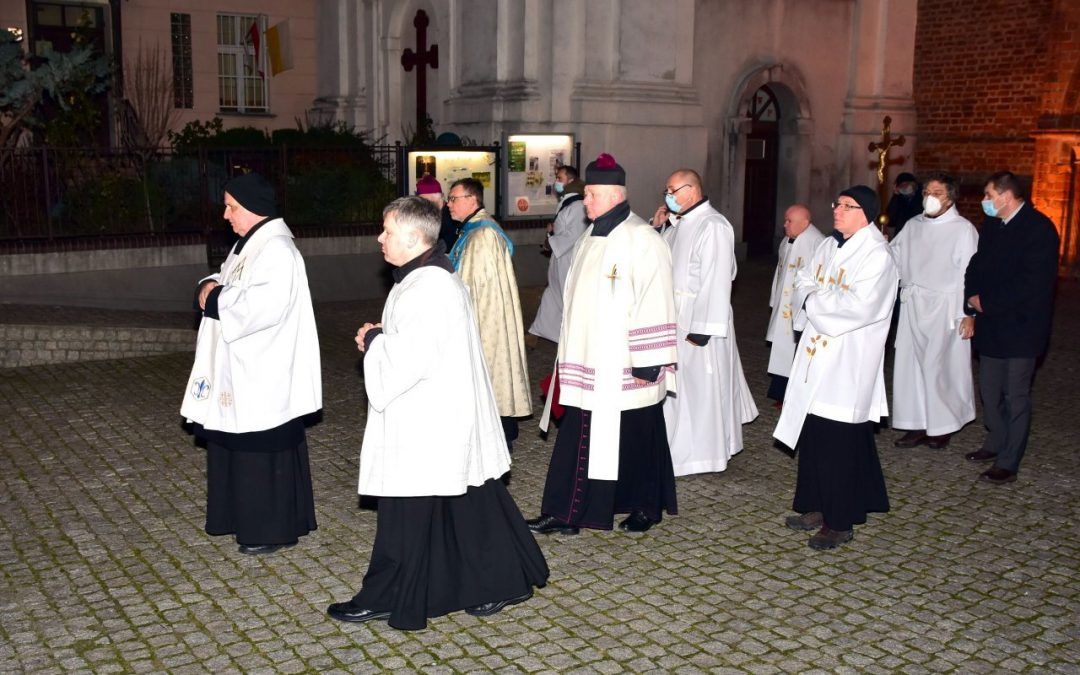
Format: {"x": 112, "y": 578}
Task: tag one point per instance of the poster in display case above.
{"x": 451, "y": 164}
{"x": 531, "y": 161}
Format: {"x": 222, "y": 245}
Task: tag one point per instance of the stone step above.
{"x": 36, "y": 344}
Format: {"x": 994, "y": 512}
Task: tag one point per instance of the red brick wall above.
{"x": 1061, "y": 90}
{"x": 979, "y": 73}
{"x": 1056, "y": 180}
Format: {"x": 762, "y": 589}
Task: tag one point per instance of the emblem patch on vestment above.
{"x": 200, "y": 388}
{"x": 225, "y": 398}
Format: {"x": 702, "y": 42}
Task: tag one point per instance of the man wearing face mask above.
{"x": 704, "y": 418}
{"x": 905, "y": 203}
{"x": 1009, "y": 286}
{"x": 933, "y": 390}
{"x": 570, "y": 222}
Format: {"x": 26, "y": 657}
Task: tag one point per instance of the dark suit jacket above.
{"x": 1013, "y": 272}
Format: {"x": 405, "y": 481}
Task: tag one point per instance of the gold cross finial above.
{"x": 882, "y": 148}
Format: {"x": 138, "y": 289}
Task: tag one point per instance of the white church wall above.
{"x": 880, "y": 85}
{"x": 662, "y": 85}
{"x": 844, "y": 60}
{"x": 634, "y": 98}
{"x": 345, "y": 63}
{"x": 803, "y": 50}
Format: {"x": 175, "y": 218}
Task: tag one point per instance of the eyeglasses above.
{"x": 939, "y": 195}
{"x": 671, "y": 193}
{"x": 454, "y": 198}
{"x": 846, "y": 207}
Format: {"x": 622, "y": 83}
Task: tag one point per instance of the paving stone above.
{"x": 101, "y": 512}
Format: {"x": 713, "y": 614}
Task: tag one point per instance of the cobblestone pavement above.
{"x": 106, "y": 568}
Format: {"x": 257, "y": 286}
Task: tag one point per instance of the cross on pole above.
{"x": 421, "y": 58}
{"x": 882, "y": 147}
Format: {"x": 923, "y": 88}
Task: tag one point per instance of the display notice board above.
{"x": 530, "y": 164}
{"x": 449, "y": 165}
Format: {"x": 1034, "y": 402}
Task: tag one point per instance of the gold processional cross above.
{"x": 882, "y": 147}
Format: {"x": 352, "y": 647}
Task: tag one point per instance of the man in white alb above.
{"x": 796, "y": 248}
{"x": 933, "y": 388}
{"x": 704, "y": 418}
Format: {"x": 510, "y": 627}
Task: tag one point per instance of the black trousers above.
{"x": 1005, "y": 387}
{"x": 777, "y": 387}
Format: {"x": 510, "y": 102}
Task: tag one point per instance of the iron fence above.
{"x": 53, "y": 193}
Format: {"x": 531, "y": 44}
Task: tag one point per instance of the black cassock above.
{"x": 436, "y": 555}
{"x": 646, "y": 480}
{"x": 839, "y": 472}
{"x": 258, "y": 485}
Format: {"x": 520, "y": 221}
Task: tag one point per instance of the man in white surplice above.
{"x": 704, "y": 419}
{"x": 933, "y": 389}
{"x": 801, "y": 237}
{"x": 843, "y": 302}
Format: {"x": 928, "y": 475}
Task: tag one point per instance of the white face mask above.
{"x": 931, "y": 205}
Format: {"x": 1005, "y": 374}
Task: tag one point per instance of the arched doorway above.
{"x": 772, "y": 96}
{"x": 759, "y": 196}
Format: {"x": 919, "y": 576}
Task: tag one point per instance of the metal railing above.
{"x": 54, "y": 193}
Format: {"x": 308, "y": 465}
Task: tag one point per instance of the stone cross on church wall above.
{"x": 421, "y": 58}
{"x": 882, "y": 147}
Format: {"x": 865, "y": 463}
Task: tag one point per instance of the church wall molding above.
{"x": 513, "y": 90}
{"x": 635, "y": 92}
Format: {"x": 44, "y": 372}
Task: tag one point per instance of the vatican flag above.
{"x": 279, "y": 47}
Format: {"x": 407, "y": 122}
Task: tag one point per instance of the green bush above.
{"x": 329, "y": 172}
{"x": 108, "y": 203}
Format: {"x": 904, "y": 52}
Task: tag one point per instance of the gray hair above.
{"x": 618, "y": 190}
{"x": 417, "y": 213}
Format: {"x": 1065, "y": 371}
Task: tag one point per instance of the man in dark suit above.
{"x": 1009, "y": 286}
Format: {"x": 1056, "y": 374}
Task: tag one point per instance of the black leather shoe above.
{"x": 549, "y": 524}
{"x": 263, "y": 549}
{"x": 911, "y": 439}
{"x": 347, "y": 611}
{"x": 980, "y": 456}
{"x": 489, "y": 608}
{"x": 938, "y": 442}
{"x": 998, "y": 476}
{"x": 636, "y": 522}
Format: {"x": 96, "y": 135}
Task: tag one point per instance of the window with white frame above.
{"x": 242, "y": 64}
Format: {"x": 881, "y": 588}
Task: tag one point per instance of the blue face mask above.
{"x": 989, "y": 208}
{"x": 559, "y": 187}
{"x": 672, "y": 205}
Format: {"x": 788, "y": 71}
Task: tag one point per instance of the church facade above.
{"x": 772, "y": 102}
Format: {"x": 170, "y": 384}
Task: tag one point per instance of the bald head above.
{"x": 796, "y": 220}
{"x": 685, "y": 186}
